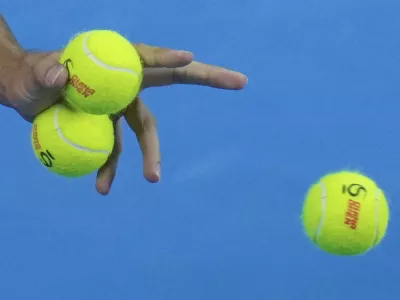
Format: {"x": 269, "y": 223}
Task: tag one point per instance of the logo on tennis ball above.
{"x": 353, "y": 206}
{"x": 66, "y": 64}
{"x": 354, "y": 190}
{"x": 35, "y": 138}
{"x": 45, "y": 156}
{"x": 74, "y": 80}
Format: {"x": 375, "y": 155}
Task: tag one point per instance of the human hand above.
{"x": 34, "y": 82}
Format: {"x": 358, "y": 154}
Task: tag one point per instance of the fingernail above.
{"x": 185, "y": 53}
{"x": 52, "y": 74}
{"x": 158, "y": 171}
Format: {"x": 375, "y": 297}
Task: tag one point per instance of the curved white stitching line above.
{"x": 323, "y": 211}
{"x": 99, "y": 62}
{"x": 377, "y": 201}
{"x": 79, "y": 147}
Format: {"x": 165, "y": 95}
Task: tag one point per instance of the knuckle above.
{"x": 179, "y": 75}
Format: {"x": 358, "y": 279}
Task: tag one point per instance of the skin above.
{"x": 32, "y": 81}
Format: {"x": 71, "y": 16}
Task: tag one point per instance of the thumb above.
{"x": 40, "y": 83}
{"x": 49, "y": 73}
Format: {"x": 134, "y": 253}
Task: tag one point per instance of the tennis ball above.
{"x": 72, "y": 143}
{"x": 345, "y": 213}
{"x": 105, "y": 72}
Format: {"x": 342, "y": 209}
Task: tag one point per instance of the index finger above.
{"x": 154, "y": 57}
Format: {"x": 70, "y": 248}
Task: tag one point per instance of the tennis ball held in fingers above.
{"x": 105, "y": 72}
{"x": 70, "y": 142}
{"x": 345, "y": 213}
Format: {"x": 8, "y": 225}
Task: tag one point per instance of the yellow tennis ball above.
{"x": 72, "y": 143}
{"x": 105, "y": 72}
{"x": 345, "y": 213}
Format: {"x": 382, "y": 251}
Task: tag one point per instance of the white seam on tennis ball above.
{"x": 323, "y": 211}
{"x": 377, "y": 200}
{"x": 67, "y": 141}
{"x": 99, "y": 62}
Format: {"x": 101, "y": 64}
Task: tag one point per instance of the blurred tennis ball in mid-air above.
{"x": 345, "y": 213}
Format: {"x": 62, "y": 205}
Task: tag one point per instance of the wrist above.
{"x": 11, "y": 55}
{"x": 7, "y": 38}
{"x": 10, "y": 62}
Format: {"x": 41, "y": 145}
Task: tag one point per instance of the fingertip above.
{"x": 179, "y": 59}
{"x": 104, "y": 180}
{"x": 153, "y": 175}
{"x": 186, "y": 55}
{"x": 106, "y": 176}
{"x": 103, "y": 188}
{"x": 232, "y": 80}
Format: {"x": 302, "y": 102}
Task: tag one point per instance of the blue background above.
{"x": 224, "y": 222}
